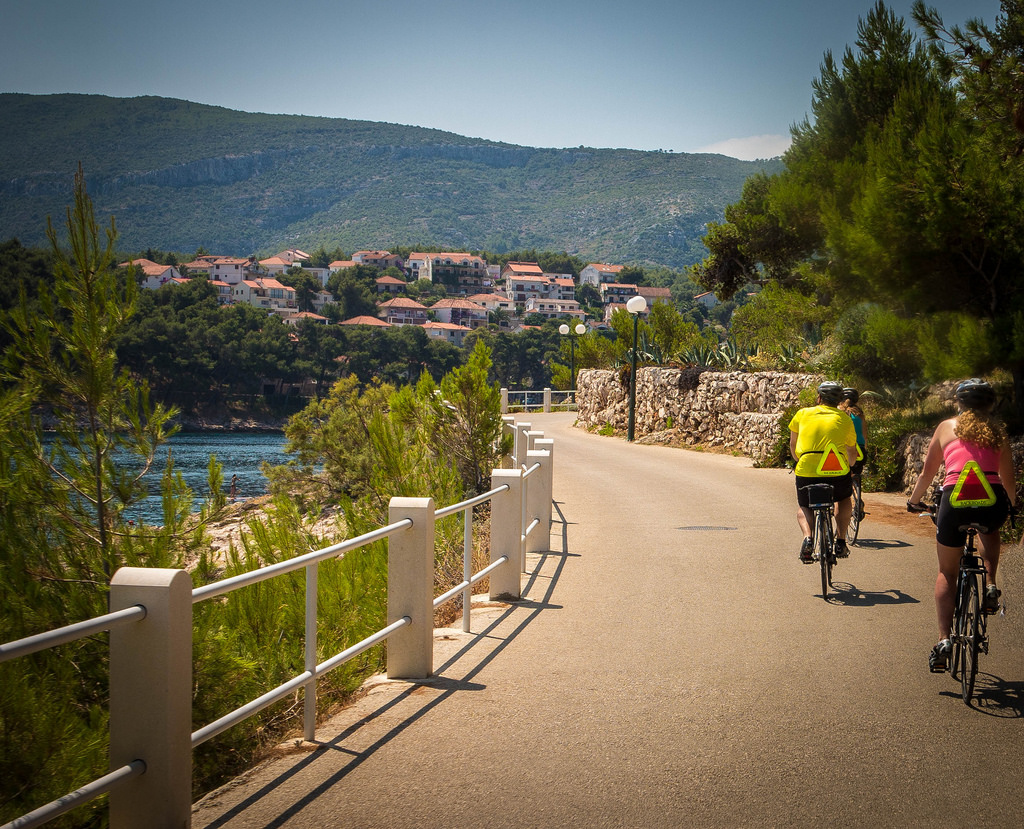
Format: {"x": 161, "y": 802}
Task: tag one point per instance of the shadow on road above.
{"x": 880, "y": 543}
{"x": 850, "y": 595}
{"x": 995, "y": 696}
{"x": 447, "y": 686}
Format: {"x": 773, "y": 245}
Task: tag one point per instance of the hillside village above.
{"x": 476, "y": 292}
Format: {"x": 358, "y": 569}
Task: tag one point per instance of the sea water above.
{"x": 238, "y": 453}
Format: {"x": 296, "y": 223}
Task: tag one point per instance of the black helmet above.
{"x": 852, "y": 395}
{"x": 831, "y": 393}
{"x": 975, "y": 394}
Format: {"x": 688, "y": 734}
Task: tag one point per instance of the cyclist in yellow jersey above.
{"x": 823, "y": 442}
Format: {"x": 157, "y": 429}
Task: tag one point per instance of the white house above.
{"x": 707, "y": 299}
{"x": 460, "y": 312}
{"x": 266, "y": 293}
{"x": 553, "y": 309}
{"x": 391, "y": 285}
{"x": 229, "y": 269}
{"x": 154, "y": 275}
{"x": 494, "y": 302}
{"x": 447, "y": 331}
{"x": 652, "y": 294}
{"x": 224, "y": 292}
{"x": 464, "y": 273}
{"x": 402, "y": 311}
{"x": 382, "y": 259}
{"x": 597, "y": 272}
{"x": 617, "y": 292}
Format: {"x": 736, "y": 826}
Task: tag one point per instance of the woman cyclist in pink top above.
{"x": 978, "y": 488}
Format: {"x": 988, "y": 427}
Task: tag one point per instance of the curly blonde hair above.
{"x": 980, "y": 428}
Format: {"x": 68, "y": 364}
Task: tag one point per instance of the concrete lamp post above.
{"x": 579, "y": 330}
{"x": 636, "y": 306}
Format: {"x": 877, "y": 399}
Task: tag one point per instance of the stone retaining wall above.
{"x": 736, "y": 410}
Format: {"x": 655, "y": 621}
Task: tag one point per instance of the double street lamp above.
{"x": 578, "y": 331}
{"x": 636, "y": 306}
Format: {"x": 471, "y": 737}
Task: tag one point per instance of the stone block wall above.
{"x": 729, "y": 410}
{"x": 735, "y": 411}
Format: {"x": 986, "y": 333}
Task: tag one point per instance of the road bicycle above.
{"x": 858, "y": 509}
{"x": 820, "y": 501}
{"x": 969, "y": 633}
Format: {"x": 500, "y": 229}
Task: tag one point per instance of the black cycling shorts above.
{"x": 842, "y": 487}
{"x": 949, "y": 519}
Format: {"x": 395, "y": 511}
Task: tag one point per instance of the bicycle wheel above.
{"x": 858, "y": 511}
{"x": 823, "y": 549}
{"x": 971, "y": 638}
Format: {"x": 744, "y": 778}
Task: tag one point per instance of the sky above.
{"x": 731, "y": 76}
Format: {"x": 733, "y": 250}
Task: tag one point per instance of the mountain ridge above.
{"x": 179, "y": 175}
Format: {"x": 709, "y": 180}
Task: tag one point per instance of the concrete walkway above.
{"x": 672, "y": 664}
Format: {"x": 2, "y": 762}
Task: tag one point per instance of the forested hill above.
{"x": 178, "y": 175}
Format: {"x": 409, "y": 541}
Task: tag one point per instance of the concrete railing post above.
{"x": 547, "y": 445}
{"x": 531, "y": 438}
{"x": 411, "y": 589}
{"x": 508, "y": 425}
{"x": 521, "y": 443}
{"x": 506, "y": 534}
{"x": 504, "y": 401}
{"x": 151, "y": 698}
{"x": 538, "y": 496}
{"x": 547, "y": 399}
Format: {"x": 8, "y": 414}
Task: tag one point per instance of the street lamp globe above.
{"x": 563, "y": 329}
{"x": 581, "y": 329}
{"x": 636, "y": 305}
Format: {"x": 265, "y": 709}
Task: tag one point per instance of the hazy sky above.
{"x": 730, "y": 76}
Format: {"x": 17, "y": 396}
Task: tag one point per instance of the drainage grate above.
{"x": 705, "y": 528}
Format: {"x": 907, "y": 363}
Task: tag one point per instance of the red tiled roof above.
{"x": 148, "y": 267}
{"x": 524, "y": 267}
{"x": 365, "y": 320}
{"x": 447, "y": 326}
{"x": 402, "y": 302}
{"x": 465, "y": 304}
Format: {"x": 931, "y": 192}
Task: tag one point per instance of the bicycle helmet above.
{"x": 852, "y": 395}
{"x": 975, "y": 394}
{"x": 830, "y": 392}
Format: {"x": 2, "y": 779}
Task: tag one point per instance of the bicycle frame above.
{"x": 968, "y": 633}
{"x": 820, "y": 502}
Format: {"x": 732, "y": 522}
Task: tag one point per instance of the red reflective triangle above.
{"x": 972, "y": 488}
{"x": 832, "y": 462}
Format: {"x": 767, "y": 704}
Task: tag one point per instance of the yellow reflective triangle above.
{"x": 972, "y": 488}
{"x": 833, "y": 462}
{"x": 860, "y": 453}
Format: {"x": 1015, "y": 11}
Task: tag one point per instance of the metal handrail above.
{"x": 125, "y": 616}
{"x": 567, "y": 402}
{"x": 71, "y": 633}
{"x": 472, "y": 502}
{"x": 219, "y": 588}
{"x": 90, "y": 791}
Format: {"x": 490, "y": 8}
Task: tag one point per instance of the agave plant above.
{"x": 698, "y": 355}
{"x": 647, "y": 353}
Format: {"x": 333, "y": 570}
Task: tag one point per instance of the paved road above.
{"x": 672, "y": 664}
